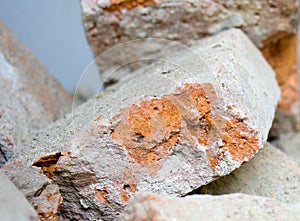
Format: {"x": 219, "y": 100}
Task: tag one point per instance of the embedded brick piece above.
{"x": 13, "y": 204}
{"x": 271, "y": 25}
{"x": 146, "y": 206}
{"x": 169, "y": 130}
{"x": 270, "y": 174}
{"x": 30, "y": 97}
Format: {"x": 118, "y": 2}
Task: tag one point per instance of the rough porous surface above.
{"x": 271, "y": 25}
{"x": 270, "y": 174}
{"x": 290, "y": 145}
{"x": 168, "y": 131}
{"x": 233, "y": 207}
{"x": 30, "y": 97}
{"x": 13, "y": 204}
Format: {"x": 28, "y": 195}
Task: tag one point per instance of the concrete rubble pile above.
{"x": 180, "y": 136}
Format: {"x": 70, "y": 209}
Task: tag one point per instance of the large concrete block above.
{"x": 232, "y": 207}
{"x": 166, "y": 130}
{"x": 30, "y": 97}
{"x": 271, "y": 25}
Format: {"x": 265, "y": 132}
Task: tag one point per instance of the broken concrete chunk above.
{"x": 113, "y": 26}
{"x": 270, "y": 174}
{"x": 30, "y": 97}
{"x": 290, "y": 145}
{"x": 48, "y": 203}
{"x": 27, "y": 179}
{"x": 233, "y": 207}
{"x": 14, "y": 206}
{"x": 108, "y": 23}
{"x": 41, "y": 192}
{"x": 162, "y": 132}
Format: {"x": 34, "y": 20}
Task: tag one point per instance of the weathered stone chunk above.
{"x": 13, "y": 205}
{"x": 271, "y": 25}
{"x": 270, "y": 174}
{"x": 30, "y": 97}
{"x": 164, "y": 131}
{"x": 145, "y": 206}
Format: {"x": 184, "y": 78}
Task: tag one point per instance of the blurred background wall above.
{"x": 53, "y": 31}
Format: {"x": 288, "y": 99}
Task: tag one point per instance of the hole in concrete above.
{"x": 126, "y": 187}
{"x": 110, "y": 82}
{"x": 47, "y": 163}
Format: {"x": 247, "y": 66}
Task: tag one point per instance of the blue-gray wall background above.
{"x": 53, "y": 31}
